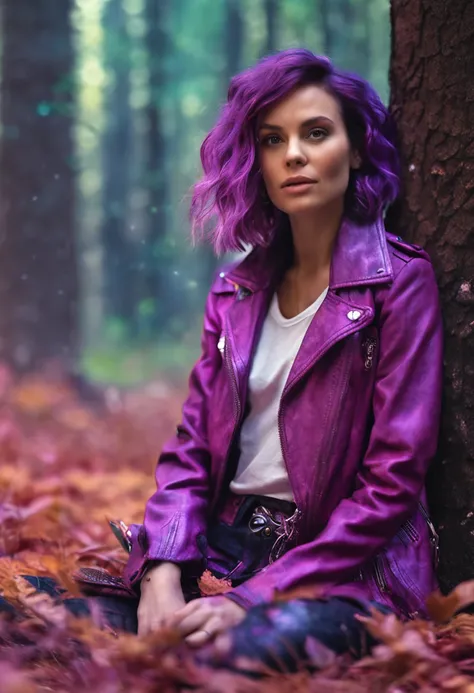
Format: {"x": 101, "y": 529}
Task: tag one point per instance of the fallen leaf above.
{"x": 442, "y": 608}
{"x": 210, "y": 586}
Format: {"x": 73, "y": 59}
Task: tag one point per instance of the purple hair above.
{"x": 232, "y": 188}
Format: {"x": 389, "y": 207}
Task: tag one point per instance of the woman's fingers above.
{"x": 202, "y": 619}
{"x": 199, "y": 621}
{"x": 192, "y": 622}
{"x": 207, "y": 632}
{"x": 186, "y": 611}
{"x": 155, "y": 613}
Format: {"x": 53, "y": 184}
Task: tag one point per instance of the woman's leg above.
{"x": 284, "y": 636}
{"x": 116, "y": 611}
{"x": 119, "y": 613}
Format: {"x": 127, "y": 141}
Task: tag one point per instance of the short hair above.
{"x": 231, "y": 191}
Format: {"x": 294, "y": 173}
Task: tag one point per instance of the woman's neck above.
{"x": 313, "y": 242}
{"x": 308, "y": 275}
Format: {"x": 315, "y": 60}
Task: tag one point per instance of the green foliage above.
{"x": 132, "y": 364}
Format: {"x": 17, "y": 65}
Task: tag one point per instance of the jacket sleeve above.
{"x": 403, "y": 440}
{"x": 176, "y": 513}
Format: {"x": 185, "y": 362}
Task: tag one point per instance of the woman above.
{"x": 313, "y": 412}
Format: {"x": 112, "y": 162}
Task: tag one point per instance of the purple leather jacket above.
{"x": 358, "y": 423}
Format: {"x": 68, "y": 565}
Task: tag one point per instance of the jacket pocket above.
{"x": 391, "y": 588}
{"x": 408, "y": 532}
{"x": 402, "y": 574}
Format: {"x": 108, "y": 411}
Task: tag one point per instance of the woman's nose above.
{"x": 294, "y": 153}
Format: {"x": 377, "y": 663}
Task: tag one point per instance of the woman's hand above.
{"x": 161, "y": 597}
{"x": 203, "y": 619}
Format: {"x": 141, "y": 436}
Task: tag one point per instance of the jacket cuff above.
{"x": 246, "y": 597}
{"x": 138, "y": 560}
{"x": 142, "y": 556}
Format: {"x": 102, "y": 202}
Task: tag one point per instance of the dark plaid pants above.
{"x": 274, "y": 634}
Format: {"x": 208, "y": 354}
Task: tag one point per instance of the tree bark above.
{"x": 38, "y": 272}
{"x": 432, "y": 100}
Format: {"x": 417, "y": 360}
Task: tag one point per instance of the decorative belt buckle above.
{"x": 264, "y": 523}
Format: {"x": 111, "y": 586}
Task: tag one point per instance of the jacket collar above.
{"x": 360, "y": 258}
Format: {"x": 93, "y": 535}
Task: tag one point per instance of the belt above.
{"x": 266, "y": 523}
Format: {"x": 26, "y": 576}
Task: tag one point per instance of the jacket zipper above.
{"x": 434, "y": 537}
{"x": 241, "y": 292}
{"x": 379, "y": 574}
{"x": 284, "y": 451}
{"x": 330, "y": 444}
{"x": 233, "y": 378}
{"x": 369, "y": 348}
{"x": 237, "y": 405}
{"x": 381, "y": 582}
{"x": 332, "y": 434}
{"x": 410, "y": 531}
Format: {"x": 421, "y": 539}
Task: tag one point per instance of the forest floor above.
{"x": 70, "y": 463}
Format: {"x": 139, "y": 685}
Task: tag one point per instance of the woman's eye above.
{"x": 271, "y": 139}
{"x": 317, "y": 134}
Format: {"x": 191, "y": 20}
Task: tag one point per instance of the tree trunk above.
{"x": 344, "y": 28}
{"x": 116, "y": 152}
{"x": 357, "y": 20}
{"x": 325, "y": 17}
{"x": 234, "y": 38}
{"x": 272, "y": 10}
{"x": 432, "y": 99}
{"x": 155, "y": 306}
{"x": 38, "y": 272}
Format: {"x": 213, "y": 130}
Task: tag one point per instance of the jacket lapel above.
{"x": 244, "y": 321}
{"x": 360, "y": 256}
{"x": 360, "y": 259}
{"x": 335, "y": 320}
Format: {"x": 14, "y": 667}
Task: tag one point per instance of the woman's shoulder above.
{"x": 413, "y": 276}
{"x": 222, "y": 282}
{"x": 403, "y": 250}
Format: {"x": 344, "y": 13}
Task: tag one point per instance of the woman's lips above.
{"x": 298, "y": 188}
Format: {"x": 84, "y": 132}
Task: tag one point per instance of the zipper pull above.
{"x": 368, "y": 347}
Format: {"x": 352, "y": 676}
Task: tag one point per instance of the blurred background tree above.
{"x": 38, "y": 259}
{"x": 104, "y": 105}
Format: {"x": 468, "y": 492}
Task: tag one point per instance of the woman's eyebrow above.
{"x": 306, "y": 123}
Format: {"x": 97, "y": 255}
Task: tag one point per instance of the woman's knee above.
{"x": 287, "y": 636}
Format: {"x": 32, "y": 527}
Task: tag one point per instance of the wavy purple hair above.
{"x": 232, "y": 188}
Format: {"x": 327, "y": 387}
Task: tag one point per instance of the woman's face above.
{"x": 304, "y": 152}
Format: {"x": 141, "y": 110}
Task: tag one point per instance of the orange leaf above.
{"x": 441, "y": 608}
{"x": 8, "y": 580}
{"x": 210, "y": 586}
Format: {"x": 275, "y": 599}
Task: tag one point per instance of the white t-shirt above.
{"x": 261, "y": 469}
